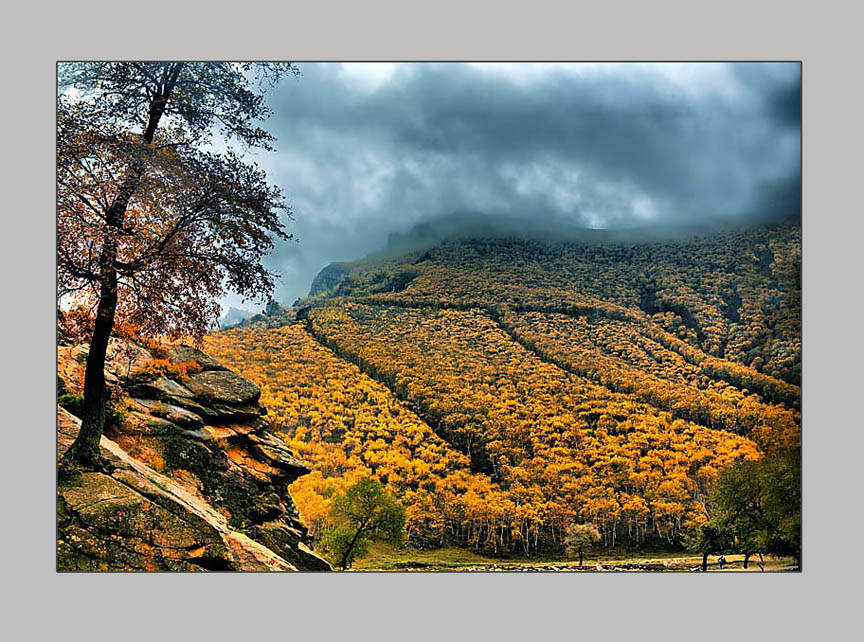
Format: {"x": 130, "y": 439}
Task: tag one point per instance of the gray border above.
{"x": 816, "y": 604}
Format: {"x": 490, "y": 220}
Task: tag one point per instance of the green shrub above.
{"x": 73, "y": 402}
{"x": 117, "y": 412}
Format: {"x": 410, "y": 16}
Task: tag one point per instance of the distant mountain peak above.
{"x": 234, "y": 316}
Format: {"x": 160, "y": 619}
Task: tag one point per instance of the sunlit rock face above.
{"x": 200, "y": 481}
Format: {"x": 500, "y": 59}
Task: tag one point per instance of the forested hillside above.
{"x": 504, "y": 389}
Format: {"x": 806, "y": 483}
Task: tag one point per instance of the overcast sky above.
{"x": 368, "y": 149}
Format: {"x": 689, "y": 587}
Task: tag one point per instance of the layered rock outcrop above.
{"x": 201, "y": 482}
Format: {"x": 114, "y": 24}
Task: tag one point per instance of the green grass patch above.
{"x": 73, "y": 402}
{"x": 384, "y": 556}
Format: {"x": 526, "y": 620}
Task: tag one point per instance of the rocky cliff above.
{"x": 328, "y": 278}
{"x": 200, "y": 482}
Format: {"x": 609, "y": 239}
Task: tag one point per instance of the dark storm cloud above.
{"x": 369, "y": 150}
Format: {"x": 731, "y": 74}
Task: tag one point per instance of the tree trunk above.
{"x": 580, "y": 558}
{"x": 704, "y": 562}
{"x": 84, "y": 451}
{"x": 746, "y": 559}
{"x": 347, "y": 554}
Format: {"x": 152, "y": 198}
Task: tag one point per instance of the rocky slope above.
{"x": 200, "y": 481}
{"x": 328, "y": 278}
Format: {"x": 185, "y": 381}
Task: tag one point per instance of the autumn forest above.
{"x": 504, "y": 390}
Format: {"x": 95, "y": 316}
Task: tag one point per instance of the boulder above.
{"x": 207, "y": 412}
{"x": 174, "y": 414}
{"x": 272, "y": 449}
{"x": 223, "y": 386}
{"x": 288, "y": 543}
{"x": 161, "y": 388}
{"x": 220, "y": 413}
{"x": 185, "y": 354}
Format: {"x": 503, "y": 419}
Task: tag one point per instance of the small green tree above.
{"x": 579, "y": 537}
{"x": 365, "y": 512}
{"x": 709, "y": 538}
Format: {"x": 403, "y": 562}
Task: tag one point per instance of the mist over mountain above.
{"x": 367, "y": 151}
{"x": 555, "y": 228}
{"x": 465, "y": 226}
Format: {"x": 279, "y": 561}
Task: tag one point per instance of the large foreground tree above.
{"x": 152, "y": 224}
